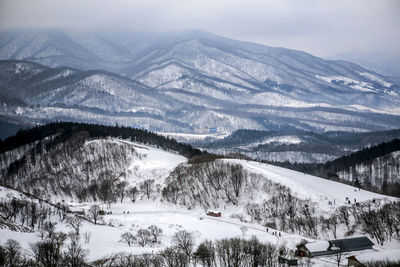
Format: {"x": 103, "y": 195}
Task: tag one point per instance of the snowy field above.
{"x": 105, "y": 239}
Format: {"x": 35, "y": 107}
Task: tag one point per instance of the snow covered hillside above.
{"x": 122, "y": 190}
{"x": 311, "y": 187}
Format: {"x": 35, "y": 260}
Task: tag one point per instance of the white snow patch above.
{"x": 374, "y": 78}
{"x": 354, "y": 84}
{"x": 285, "y": 139}
{"x": 192, "y": 137}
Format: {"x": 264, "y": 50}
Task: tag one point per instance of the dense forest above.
{"x": 64, "y": 130}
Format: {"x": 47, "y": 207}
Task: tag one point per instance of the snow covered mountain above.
{"x": 295, "y": 146}
{"x": 192, "y": 81}
{"x": 387, "y": 64}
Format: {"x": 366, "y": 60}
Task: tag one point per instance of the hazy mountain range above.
{"x": 383, "y": 63}
{"x": 190, "y": 81}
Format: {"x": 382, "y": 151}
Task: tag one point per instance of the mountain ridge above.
{"x": 195, "y": 80}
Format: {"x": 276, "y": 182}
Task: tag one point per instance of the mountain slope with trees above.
{"x": 375, "y": 168}
{"x": 84, "y": 159}
{"x": 296, "y": 146}
{"x": 186, "y": 82}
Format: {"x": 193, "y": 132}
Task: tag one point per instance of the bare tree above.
{"x": 133, "y": 192}
{"x": 75, "y": 223}
{"x": 48, "y": 252}
{"x": 184, "y": 241}
{"x": 13, "y": 252}
{"x": 74, "y": 254}
{"x": 244, "y": 230}
{"x": 339, "y": 256}
{"x": 86, "y": 236}
{"x": 333, "y": 223}
{"x": 128, "y": 238}
{"x": 155, "y": 233}
{"x": 174, "y": 258}
{"x": 121, "y": 189}
{"x": 106, "y": 190}
{"x": 230, "y": 252}
{"x": 237, "y": 176}
{"x": 143, "y": 237}
{"x": 94, "y": 213}
{"x": 147, "y": 187}
{"x": 205, "y": 253}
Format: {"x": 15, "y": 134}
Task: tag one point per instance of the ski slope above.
{"x": 311, "y": 187}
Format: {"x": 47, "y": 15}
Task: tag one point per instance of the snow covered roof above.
{"x": 213, "y": 211}
{"x": 349, "y": 244}
{"x": 317, "y": 246}
{"x": 382, "y": 255}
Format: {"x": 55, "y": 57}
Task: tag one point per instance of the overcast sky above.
{"x": 321, "y": 27}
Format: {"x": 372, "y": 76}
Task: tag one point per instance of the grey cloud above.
{"x": 319, "y": 27}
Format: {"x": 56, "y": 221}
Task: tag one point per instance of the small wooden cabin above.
{"x": 312, "y": 249}
{"x": 214, "y": 213}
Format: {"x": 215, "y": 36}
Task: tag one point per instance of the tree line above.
{"x": 64, "y": 130}
{"x": 348, "y": 164}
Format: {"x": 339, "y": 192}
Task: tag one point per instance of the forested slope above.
{"x": 376, "y": 168}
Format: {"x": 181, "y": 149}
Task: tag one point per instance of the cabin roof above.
{"x": 213, "y": 211}
{"x": 317, "y": 246}
{"x": 350, "y": 243}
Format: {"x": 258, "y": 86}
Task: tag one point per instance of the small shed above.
{"x": 312, "y": 249}
{"x": 214, "y": 213}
